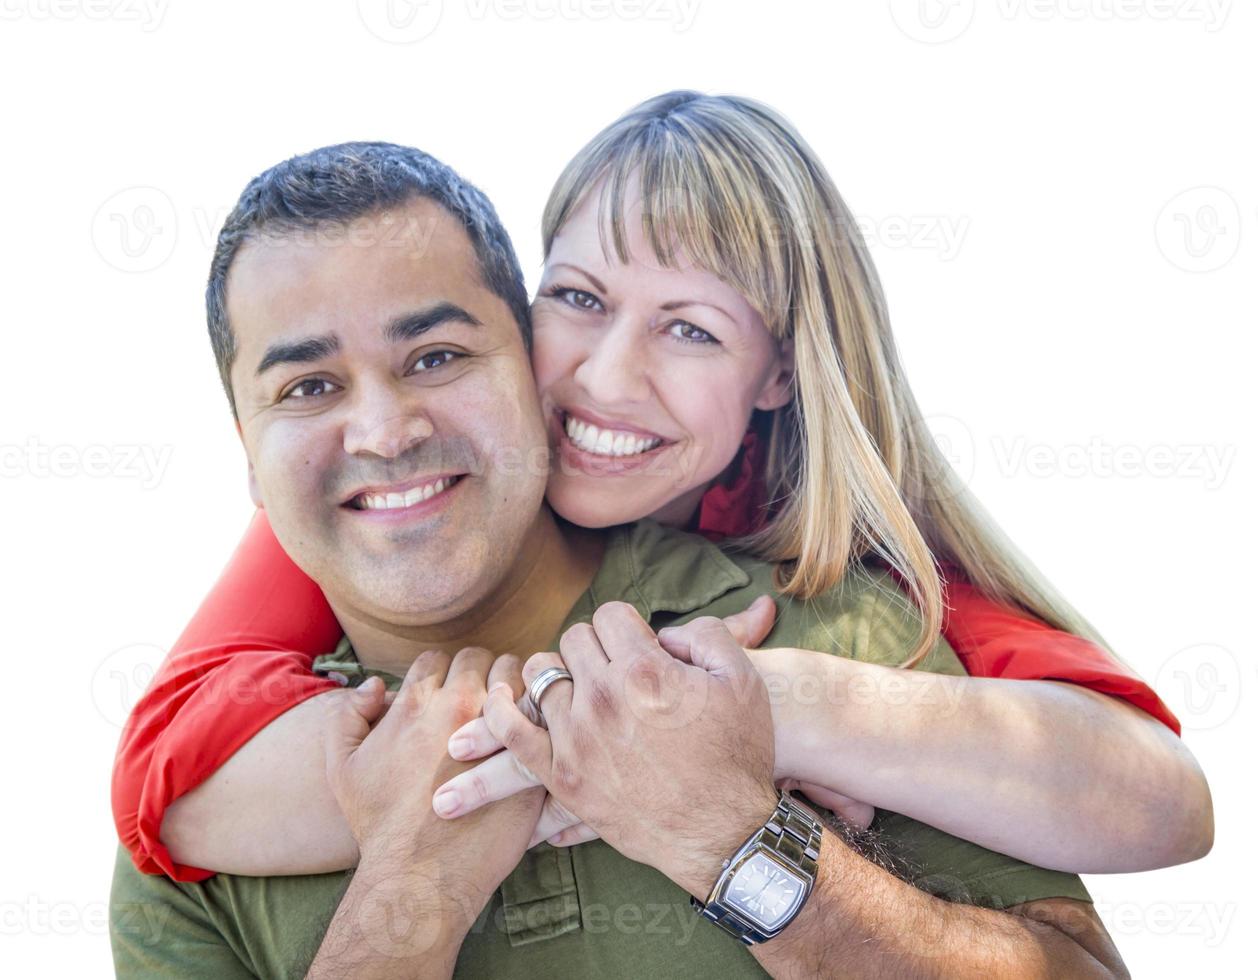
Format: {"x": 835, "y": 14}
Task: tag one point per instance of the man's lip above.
{"x": 593, "y": 418}
{"x": 385, "y": 488}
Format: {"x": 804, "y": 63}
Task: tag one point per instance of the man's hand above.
{"x": 640, "y": 737}
{"x": 421, "y": 880}
{"x": 502, "y": 774}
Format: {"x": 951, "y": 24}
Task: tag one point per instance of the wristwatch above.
{"x": 764, "y": 885}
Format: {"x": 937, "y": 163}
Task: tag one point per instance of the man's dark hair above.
{"x": 339, "y": 184}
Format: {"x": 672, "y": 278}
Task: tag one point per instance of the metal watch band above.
{"x": 793, "y": 833}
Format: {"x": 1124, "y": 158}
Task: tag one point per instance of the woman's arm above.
{"x": 1050, "y": 773}
{"x": 243, "y": 661}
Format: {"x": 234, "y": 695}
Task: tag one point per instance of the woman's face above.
{"x": 648, "y": 376}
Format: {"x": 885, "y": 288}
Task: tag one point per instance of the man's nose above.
{"x": 615, "y": 366}
{"x": 385, "y": 424}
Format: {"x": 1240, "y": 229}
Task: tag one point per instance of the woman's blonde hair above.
{"x": 852, "y": 471}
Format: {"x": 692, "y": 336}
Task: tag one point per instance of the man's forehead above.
{"x": 344, "y": 273}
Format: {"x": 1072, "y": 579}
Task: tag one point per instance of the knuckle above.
{"x": 602, "y": 698}
{"x": 577, "y": 633}
{"x": 567, "y": 778}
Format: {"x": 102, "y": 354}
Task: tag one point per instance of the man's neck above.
{"x": 557, "y": 562}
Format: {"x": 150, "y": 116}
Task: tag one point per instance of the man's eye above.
{"x": 309, "y": 388}
{"x": 433, "y": 359}
{"x": 690, "y": 334}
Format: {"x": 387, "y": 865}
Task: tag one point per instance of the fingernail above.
{"x": 666, "y": 631}
{"x": 446, "y": 802}
{"x": 460, "y": 747}
{"x": 554, "y": 839}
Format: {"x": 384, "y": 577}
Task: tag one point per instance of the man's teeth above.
{"x": 607, "y": 442}
{"x": 394, "y": 501}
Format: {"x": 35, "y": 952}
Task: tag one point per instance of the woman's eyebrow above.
{"x": 679, "y": 303}
{"x": 576, "y": 268}
{"x": 669, "y": 306}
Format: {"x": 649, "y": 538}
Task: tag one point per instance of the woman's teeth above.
{"x": 395, "y": 501}
{"x": 606, "y": 442}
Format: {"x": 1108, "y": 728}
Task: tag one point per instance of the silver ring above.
{"x": 542, "y": 681}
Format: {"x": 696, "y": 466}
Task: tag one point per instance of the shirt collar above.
{"x": 653, "y": 568}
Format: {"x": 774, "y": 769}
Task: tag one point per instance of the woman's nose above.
{"x": 615, "y": 367}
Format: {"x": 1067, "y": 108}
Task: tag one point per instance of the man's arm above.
{"x": 876, "y": 925}
{"x": 614, "y": 738}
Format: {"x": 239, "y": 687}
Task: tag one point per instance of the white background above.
{"x": 1060, "y": 198}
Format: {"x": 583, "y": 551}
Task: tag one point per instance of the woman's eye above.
{"x": 690, "y": 333}
{"x": 309, "y": 388}
{"x": 577, "y": 297}
{"x": 433, "y": 359}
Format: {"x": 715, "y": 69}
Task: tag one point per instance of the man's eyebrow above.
{"x": 299, "y": 351}
{"x": 412, "y": 325}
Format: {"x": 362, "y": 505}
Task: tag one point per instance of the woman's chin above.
{"x": 581, "y": 505}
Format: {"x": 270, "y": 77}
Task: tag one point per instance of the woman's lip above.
{"x": 591, "y": 419}
{"x": 573, "y": 456}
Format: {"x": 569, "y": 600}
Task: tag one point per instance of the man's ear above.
{"x": 778, "y": 389}
{"x": 255, "y": 492}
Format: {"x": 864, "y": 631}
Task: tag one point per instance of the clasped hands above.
{"x": 624, "y": 740}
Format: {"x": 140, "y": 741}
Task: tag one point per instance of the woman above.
{"x": 713, "y": 351}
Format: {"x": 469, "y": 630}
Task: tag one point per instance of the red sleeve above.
{"x": 994, "y": 641}
{"x": 242, "y": 662}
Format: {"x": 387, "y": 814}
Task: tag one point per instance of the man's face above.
{"x": 388, "y": 412}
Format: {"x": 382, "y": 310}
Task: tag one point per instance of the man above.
{"x": 370, "y": 324}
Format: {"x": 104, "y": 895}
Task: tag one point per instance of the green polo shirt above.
{"x": 583, "y": 911}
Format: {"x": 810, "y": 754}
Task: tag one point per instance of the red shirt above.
{"x": 246, "y": 658}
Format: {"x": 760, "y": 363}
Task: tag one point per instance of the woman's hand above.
{"x": 502, "y": 775}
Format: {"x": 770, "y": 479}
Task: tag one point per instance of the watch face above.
{"x": 764, "y": 891}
